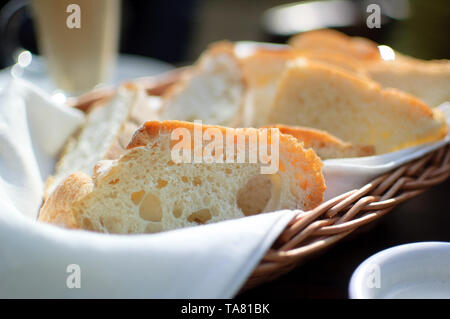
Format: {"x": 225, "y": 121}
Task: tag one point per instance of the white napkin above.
{"x": 33, "y": 129}
{"x": 211, "y": 261}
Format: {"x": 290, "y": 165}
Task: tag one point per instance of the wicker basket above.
{"x": 313, "y": 231}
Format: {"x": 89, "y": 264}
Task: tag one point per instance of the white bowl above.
{"x": 418, "y": 270}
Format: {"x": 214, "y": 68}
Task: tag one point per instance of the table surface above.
{"x": 424, "y": 218}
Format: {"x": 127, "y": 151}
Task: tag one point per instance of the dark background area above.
{"x": 178, "y": 31}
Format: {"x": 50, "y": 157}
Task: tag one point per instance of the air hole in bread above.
{"x": 254, "y": 196}
{"x": 110, "y": 223}
{"x": 153, "y": 228}
{"x": 136, "y": 197}
{"x": 150, "y": 208}
{"x": 87, "y": 224}
{"x": 228, "y": 170}
{"x": 177, "y": 210}
{"x": 184, "y": 179}
{"x": 114, "y": 181}
{"x": 200, "y": 217}
{"x": 162, "y": 183}
{"x": 197, "y": 181}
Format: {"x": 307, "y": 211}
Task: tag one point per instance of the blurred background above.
{"x": 178, "y": 31}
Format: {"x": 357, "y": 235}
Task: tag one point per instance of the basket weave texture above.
{"x": 313, "y": 231}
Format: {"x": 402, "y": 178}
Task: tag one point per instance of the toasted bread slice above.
{"x": 353, "y": 108}
{"x": 145, "y": 191}
{"x": 212, "y": 91}
{"x": 324, "y": 144}
{"x": 97, "y": 138}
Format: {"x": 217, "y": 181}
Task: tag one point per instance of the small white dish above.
{"x": 417, "y": 270}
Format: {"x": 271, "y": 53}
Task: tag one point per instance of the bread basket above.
{"x": 313, "y": 231}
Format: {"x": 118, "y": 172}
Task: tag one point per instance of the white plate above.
{"x": 418, "y": 270}
{"x": 128, "y": 67}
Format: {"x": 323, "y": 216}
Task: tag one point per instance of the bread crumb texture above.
{"x": 354, "y": 109}
{"x": 145, "y": 191}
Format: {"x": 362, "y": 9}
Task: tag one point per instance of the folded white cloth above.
{"x": 211, "y": 261}
{"x": 33, "y": 129}
{"x": 44, "y": 261}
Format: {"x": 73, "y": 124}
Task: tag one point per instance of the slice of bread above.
{"x": 263, "y": 68}
{"x": 327, "y": 40}
{"x": 212, "y": 91}
{"x": 335, "y": 59}
{"x": 324, "y": 144}
{"x": 97, "y": 139}
{"x": 142, "y": 111}
{"x": 146, "y": 191}
{"x": 428, "y": 80}
{"x": 353, "y": 108}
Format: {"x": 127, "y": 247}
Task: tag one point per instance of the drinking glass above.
{"x": 79, "y": 39}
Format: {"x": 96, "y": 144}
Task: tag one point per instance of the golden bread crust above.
{"x": 324, "y": 144}
{"x": 331, "y": 40}
{"x": 65, "y": 206}
{"x": 58, "y": 208}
